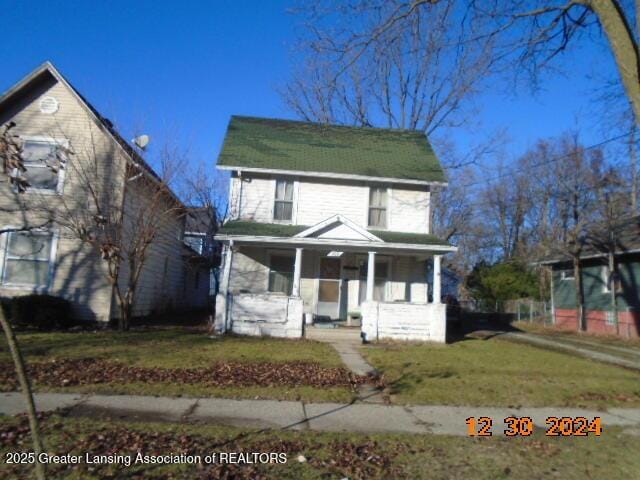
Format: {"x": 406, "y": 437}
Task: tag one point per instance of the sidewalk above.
{"x": 627, "y": 358}
{"x": 329, "y": 417}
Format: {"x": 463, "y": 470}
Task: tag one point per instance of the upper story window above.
{"x": 42, "y": 161}
{"x": 283, "y": 206}
{"x": 378, "y": 207}
{"x": 27, "y": 259}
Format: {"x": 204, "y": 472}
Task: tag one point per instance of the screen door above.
{"x": 329, "y": 288}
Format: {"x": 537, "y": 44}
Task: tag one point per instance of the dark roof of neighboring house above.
{"x": 288, "y": 145}
{"x": 239, "y": 227}
{"x": 47, "y": 68}
{"x": 626, "y": 239}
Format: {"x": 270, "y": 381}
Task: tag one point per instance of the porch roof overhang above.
{"x": 292, "y": 236}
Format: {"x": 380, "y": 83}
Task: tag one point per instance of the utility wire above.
{"x": 545, "y": 162}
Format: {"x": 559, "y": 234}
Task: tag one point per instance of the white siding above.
{"x": 408, "y": 210}
{"x": 257, "y": 197}
{"x": 404, "y": 321}
{"x": 160, "y": 286}
{"x": 316, "y": 200}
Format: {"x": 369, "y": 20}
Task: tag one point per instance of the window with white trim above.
{"x": 283, "y": 205}
{"x": 567, "y": 274}
{"x": 378, "y": 207}
{"x": 195, "y": 241}
{"x": 281, "y": 274}
{"x": 42, "y": 161}
{"x": 27, "y": 259}
{"x": 611, "y": 319}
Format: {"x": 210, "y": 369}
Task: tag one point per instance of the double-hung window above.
{"x": 27, "y": 259}
{"x": 281, "y": 274}
{"x": 283, "y": 206}
{"x": 42, "y": 161}
{"x": 378, "y": 207}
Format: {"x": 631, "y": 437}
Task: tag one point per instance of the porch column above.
{"x": 296, "y": 273}
{"x": 222, "y": 307}
{"x": 436, "y": 279}
{"x": 226, "y": 269}
{"x": 371, "y": 274}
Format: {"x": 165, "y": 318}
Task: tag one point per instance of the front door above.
{"x": 329, "y": 288}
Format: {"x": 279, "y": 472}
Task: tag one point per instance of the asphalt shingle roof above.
{"x": 240, "y": 227}
{"x": 312, "y": 147}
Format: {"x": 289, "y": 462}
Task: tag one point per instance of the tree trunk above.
{"x": 633, "y": 160}
{"x": 125, "y": 315}
{"x": 625, "y": 50}
{"x": 25, "y": 386}
{"x": 577, "y": 273}
{"x": 612, "y": 289}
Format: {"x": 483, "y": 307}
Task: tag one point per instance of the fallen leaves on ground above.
{"x": 90, "y": 371}
{"x": 607, "y": 397}
{"x": 355, "y": 460}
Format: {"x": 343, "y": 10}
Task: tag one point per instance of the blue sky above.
{"x": 164, "y": 67}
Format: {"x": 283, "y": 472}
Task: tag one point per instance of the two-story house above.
{"x": 329, "y": 221}
{"x": 54, "y": 120}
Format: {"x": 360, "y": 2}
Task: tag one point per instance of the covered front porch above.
{"x": 274, "y": 285}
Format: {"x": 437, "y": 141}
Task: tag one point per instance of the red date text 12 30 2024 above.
{"x": 523, "y": 426}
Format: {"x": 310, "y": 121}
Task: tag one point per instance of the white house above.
{"x": 330, "y": 221}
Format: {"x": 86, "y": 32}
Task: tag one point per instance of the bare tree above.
{"x": 122, "y": 209}
{"x": 204, "y": 190}
{"x": 388, "y": 63}
{"x": 606, "y": 235}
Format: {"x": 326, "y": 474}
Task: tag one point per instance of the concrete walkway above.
{"x": 346, "y": 342}
{"x": 330, "y": 417}
{"x": 625, "y": 358}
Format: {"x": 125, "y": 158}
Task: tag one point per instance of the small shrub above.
{"x": 43, "y": 312}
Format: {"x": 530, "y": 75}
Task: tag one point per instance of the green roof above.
{"x": 313, "y": 147}
{"x": 240, "y": 227}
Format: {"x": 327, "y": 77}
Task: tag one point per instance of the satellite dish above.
{"x": 142, "y": 141}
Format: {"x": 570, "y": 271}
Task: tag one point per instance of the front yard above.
{"x": 180, "y": 362}
{"x": 496, "y": 372}
{"x": 326, "y": 455}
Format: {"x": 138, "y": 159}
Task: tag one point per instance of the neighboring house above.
{"x": 49, "y": 114}
{"x": 329, "y": 221}
{"x": 606, "y": 293}
{"x": 200, "y": 228}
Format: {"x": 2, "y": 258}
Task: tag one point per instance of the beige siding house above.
{"x": 330, "y": 222}
{"x": 49, "y": 113}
